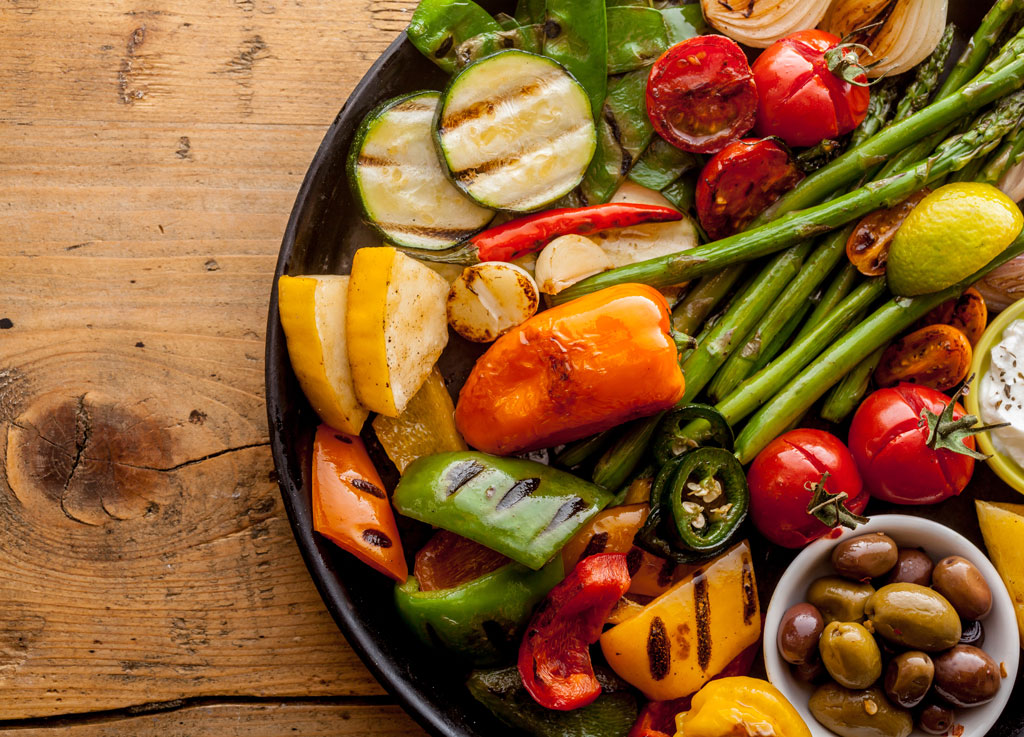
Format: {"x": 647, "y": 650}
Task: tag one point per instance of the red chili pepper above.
{"x": 531, "y": 233}
{"x": 554, "y": 658}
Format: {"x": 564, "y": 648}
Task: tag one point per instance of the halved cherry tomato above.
{"x": 350, "y": 506}
{"x": 741, "y": 181}
{"x": 889, "y": 440}
{"x": 868, "y": 244}
{"x": 782, "y": 480}
{"x": 701, "y": 94}
{"x": 802, "y": 98}
{"x": 967, "y": 313}
{"x": 449, "y": 560}
{"x": 554, "y": 657}
{"x": 936, "y": 356}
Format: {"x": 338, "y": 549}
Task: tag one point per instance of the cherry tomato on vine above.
{"x": 741, "y": 181}
{"x": 788, "y": 478}
{"x": 808, "y": 89}
{"x": 889, "y": 440}
{"x": 701, "y": 94}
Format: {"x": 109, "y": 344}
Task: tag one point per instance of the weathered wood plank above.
{"x": 149, "y": 156}
{"x": 246, "y": 720}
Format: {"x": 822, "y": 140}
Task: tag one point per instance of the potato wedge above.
{"x": 313, "y": 315}
{"x": 396, "y": 325}
{"x": 566, "y": 260}
{"x": 489, "y": 299}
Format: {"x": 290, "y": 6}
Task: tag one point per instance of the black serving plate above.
{"x": 323, "y": 232}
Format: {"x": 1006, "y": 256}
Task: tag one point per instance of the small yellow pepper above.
{"x": 741, "y": 706}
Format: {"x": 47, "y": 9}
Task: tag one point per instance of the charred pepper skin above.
{"x": 524, "y": 510}
{"x": 573, "y": 371}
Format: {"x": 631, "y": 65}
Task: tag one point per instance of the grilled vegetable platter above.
{"x": 591, "y": 314}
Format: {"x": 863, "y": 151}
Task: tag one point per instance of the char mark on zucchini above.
{"x": 461, "y": 474}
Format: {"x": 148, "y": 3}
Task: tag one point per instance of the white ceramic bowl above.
{"x": 1001, "y": 639}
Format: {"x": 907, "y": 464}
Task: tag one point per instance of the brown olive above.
{"x": 864, "y": 713}
{"x": 912, "y": 566}
{"x": 935, "y": 718}
{"x": 973, "y": 633}
{"x": 839, "y": 600}
{"x": 850, "y": 654}
{"x": 913, "y": 616}
{"x": 799, "y": 631}
{"x": 966, "y": 676}
{"x": 865, "y": 556}
{"x": 908, "y": 678}
{"x": 961, "y": 582}
{"x": 813, "y": 671}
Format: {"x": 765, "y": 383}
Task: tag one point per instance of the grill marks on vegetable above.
{"x": 460, "y": 474}
{"x": 659, "y": 651}
{"x": 519, "y": 491}
{"x": 569, "y": 509}
{"x": 749, "y": 591}
{"x": 377, "y": 538}
{"x": 366, "y": 486}
{"x": 702, "y": 612}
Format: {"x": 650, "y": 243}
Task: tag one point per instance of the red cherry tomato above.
{"x": 800, "y": 99}
{"x": 741, "y": 181}
{"x": 889, "y": 442}
{"x": 701, "y": 94}
{"x": 781, "y": 479}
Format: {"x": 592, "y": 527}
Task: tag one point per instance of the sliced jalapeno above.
{"x": 676, "y": 432}
{"x": 708, "y": 496}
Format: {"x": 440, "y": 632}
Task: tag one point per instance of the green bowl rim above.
{"x": 1006, "y": 468}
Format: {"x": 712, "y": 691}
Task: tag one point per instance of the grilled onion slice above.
{"x": 760, "y": 23}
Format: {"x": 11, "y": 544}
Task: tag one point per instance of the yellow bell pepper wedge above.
{"x": 426, "y": 427}
{"x": 679, "y": 641}
{"x": 1002, "y": 526}
{"x": 740, "y": 706}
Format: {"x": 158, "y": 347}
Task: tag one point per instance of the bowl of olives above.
{"x": 901, "y": 627}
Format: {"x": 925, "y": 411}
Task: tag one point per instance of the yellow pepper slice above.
{"x": 740, "y": 706}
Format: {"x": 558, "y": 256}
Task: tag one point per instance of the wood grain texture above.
{"x": 150, "y": 153}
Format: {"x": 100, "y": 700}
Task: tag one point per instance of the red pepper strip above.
{"x": 531, "y": 233}
{"x": 554, "y": 657}
{"x": 658, "y": 718}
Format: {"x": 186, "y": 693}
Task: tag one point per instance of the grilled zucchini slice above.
{"x": 516, "y": 131}
{"x": 404, "y": 192}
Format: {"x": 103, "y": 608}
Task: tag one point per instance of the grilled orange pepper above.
{"x": 572, "y": 371}
{"x": 350, "y": 506}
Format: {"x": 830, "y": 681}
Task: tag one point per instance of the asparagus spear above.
{"x": 836, "y": 291}
{"x": 701, "y": 301}
{"x": 1004, "y": 158}
{"x": 879, "y": 106}
{"x": 883, "y": 325}
{"x": 788, "y": 330}
{"x": 844, "y": 397}
{"x": 740, "y": 364}
{"x": 579, "y": 451}
{"x": 953, "y": 154}
{"x": 1002, "y": 73}
{"x": 926, "y": 78}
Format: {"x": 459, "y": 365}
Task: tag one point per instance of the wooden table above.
{"x": 150, "y": 153}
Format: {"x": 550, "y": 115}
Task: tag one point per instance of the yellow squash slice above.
{"x": 312, "y": 312}
{"x": 426, "y": 427}
{"x": 397, "y": 327}
{"x": 671, "y": 647}
{"x": 1002, "y": 526}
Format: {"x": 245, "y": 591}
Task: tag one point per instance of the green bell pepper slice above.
{"x": 502, "y": 692}
{"x": 481, "y": 619}
{"x": 520, "y": 508}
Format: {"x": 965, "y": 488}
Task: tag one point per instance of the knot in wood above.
{"x": 94, "y": 459}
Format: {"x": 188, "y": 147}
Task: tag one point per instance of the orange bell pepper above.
{"x": 572, "y": 371}
{"x": 350, "y": 506}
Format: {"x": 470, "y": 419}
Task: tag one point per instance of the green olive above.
{"x": 850, "y": 654}
{"x": 913, "y": 616}
{"x": 840, "y": 600}
{"x": 864, "y": 713}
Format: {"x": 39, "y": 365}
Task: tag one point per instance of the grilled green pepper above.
{"x": 520, "y": 508}
{"x": 502, "y": 691}
{"x": 437, "y": 27}
{"x": 479, "y": 619}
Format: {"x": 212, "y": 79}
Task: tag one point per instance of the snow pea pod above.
{"x": 662, "y": 164}
{"x": 684, "y": 22}
{"x": 636, "y": 37}
{"x": 623, "y": 132}
{"x": 529, "y": 12}
{"x": 437, "y": 27}
{"x": 576, "y": 36}
{"x": 527, "y": 38}
{"x": 520, "y": 508}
